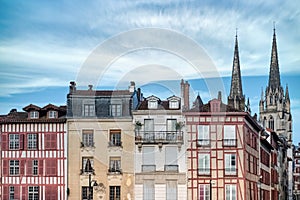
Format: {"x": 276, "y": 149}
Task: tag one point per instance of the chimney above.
{"x": 185, "y": 94}
{"x": 220, "y": 96}
{"x": 90, "y": 87}
{"x": 72, "y": 87}
{"x": 132, "y": 86}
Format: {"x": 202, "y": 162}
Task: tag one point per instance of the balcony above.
{"x": 114, "y": 171}
{"x": 230, "y": 171}
{"x": 155, "y": 137}
{"x": 203, "y": 171}
{"x": 171, "y": 168}
{"x": 229, "y": 142}
{"x": 148, "y": 168}
{"x": 203, "y": 142}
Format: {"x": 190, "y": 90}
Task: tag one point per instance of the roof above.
{"x": 101, "y": 92}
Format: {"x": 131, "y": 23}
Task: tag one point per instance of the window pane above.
{"x": 171, "y": 190}
{"x": 149, "y": 192}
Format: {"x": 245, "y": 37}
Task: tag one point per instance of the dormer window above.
{"x": 34, "y": 115}
{"x": 52, "y": 114}
{"x": 152, "y": 104}
{"x": 173, "y": 104}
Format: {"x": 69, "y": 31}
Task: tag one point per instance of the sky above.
{"x": 46, "y": 44}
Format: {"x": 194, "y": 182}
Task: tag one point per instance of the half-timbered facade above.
{"x": 33, "y": 153}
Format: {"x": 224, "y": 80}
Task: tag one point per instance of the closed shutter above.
{"x": 29, "y": 168}
{"x": 4, "y": 142}
{"x": 41, "y": 167}
{"x": 24, "y": 192}
{"x": 172, "y": 190}
{"x": 17, "y": 192}
{"x": 21, "y": 141}
{"x": 171, "y": 155}
{"x": 5, "y": 167}
{"x": 22, "y": 167}
{"x": 148, "y": 156}
{"x": 149, "y": 190}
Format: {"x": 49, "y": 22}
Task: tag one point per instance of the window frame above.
{"x": 173, "y": 104}
{"x": 206, "y": 191}
{"x": 33, "y": 114}
{"x": 34, "y": 191}
{"x": 229, "y": 136}
{"x": 115, "y": 165}
{"x": 204, "y": 131}
{"x": 89, "y": 110}
{"x": 115, "y": 110}
{"x": 88, "y": 138}
{"x": 205, "y": 168}
{"x": 231, "y": 169}
{"x": 14, "y": 167}
{"x": 232, "y": 192}
{"x": 84, "y": 161}
{"x": 12, "y": 193}
{"x": 32, "y": 143}
{"x": 114, "y": 192}
{"x": 14, "y": 141}
{"x": 85, "y": 193}
{"x": 52, "y": 114}
{"x": 115, "y": 138}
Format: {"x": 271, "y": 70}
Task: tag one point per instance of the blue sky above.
{"x": 45, "y": 44}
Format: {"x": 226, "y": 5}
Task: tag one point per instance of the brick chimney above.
{"x": 185, "y": 94}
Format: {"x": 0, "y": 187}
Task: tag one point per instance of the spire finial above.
{"x": 274, "y": 26}
{"x": 236, "y": 32}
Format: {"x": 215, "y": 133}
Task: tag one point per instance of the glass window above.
{"x": 115, "y": 138}
{"x": 148, "y": 158}
{"x": 171, "y": 190}
{"x": 32, "y": 141}
{"x": 52, "y": 114}
{"x": 87, "y": 164}
{"x": 88, "y": 138}
{"x": 14, "y": 141}
{"x": 152, "y": 104}
{"x": 229, "y": 135}
{"x": 89, "y": 110}
{"x": 33, "y": 193}
{"x": 114, "y": 193}
{"x": 173, "y": 104}
{"x": 34, "y": 115}
{"x": 271, "y": 123}
{"x": 203, "y": 135}
{"x": 115, "y": 110}
{"x": 204, "y": 192}
{"x": 115, "y": 164}
{"x": 230, "y": 192}
{"x": 14, "y": 167}
{"x": 230, "y": 164}
{"x": 203, "y": 163}
{"x": 148, "y": 190}
{"x": 87, "y": 193}
{"x": 35, "y": 167}
{"x": 11, "y": 193}
{"x": 171, "y": 158}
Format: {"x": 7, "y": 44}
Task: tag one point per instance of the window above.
{"x": 148, "y": 159}
{"x": 11, "y": 193}
{"x": 51, "y": 167}
{"x": 229, "y": 135}
{"x": 171, "y": 190}
{"x": 148, "y": 190}
{"x": 171, "y": 158}
{"x": 149, "y": 129}
{"x": 31, "y": 141}
{"x": 230, "y": 164}
{"x": 52, "y": 114}
{"x": 14, "y": 167}
{"x": 230, "y": 192}
{"x": 87, "y": 165}
{"x": 115, "y": 164}
{"x": 87, "y": 193}
{"x": 173, "y": 104}
{"x": 171, "y": 125}
{"x": 203, "y": 135}
{"x": 89, "y": 110}
{"x": 114, "y": 193}
{"x": 203, "y": 164}
{"x": 271, "y": 123}
{"x": 115, "y": 110}
{"x": 14, "y": 141}
{"x": 87, "y": 138}
{"x": 152, "y": 104}
{"x": 115, "y": 138}
{"x": 34, "y": 115}
{"x": 35, "y": 167}
{"x": 204, "y": 192}
{"x": 33, "y": 193}
{"x": 50, "y": 141}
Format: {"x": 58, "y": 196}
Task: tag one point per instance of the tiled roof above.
{"x": 162, "y": 105}
{"x": 101, "y": 92}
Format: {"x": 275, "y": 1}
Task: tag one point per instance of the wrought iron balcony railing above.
{"x": 148, "y": 168}
{"x": 171, "y": 168}
{"x": 158, "y": 137}
{"x": 229, "y": 142}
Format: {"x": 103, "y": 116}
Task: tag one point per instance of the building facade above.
{"x": 160, "y": 147}
{"x": 275, "y": 114}
{"x": 296, "y": 169}
{"x": 33, "y": 153}
{"x": 101, "y": 143}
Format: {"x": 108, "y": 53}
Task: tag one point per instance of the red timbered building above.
{"x": 33, "y": 153}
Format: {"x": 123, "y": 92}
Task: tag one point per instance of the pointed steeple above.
{"x": 274, "y": 75}
{"x": 248, "y": 108}
{"x": 236, "y": 98}
{"x": 198, "y": 102}
{"x": 287, "y": 95}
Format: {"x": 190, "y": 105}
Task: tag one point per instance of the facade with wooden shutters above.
{"x": 33, "y": 153}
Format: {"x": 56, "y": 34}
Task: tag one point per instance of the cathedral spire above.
{"x": 236, "y": 98}
{"x": 274, "y": 76}
{"x": 287, "y": 95}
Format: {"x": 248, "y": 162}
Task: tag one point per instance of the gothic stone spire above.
{"x": 274, "y": 76}
{"x": 236, "y": 98}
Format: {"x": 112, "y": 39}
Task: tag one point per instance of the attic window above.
{"x": 52, "y": 114}
{"x": 34, "y": 115}
{"x": 173, "y": 104}
{"x": 152, "y": 104}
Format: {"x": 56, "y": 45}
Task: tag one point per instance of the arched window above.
{"x": 271, "y": 123}
{"x": 264, "y": 122}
